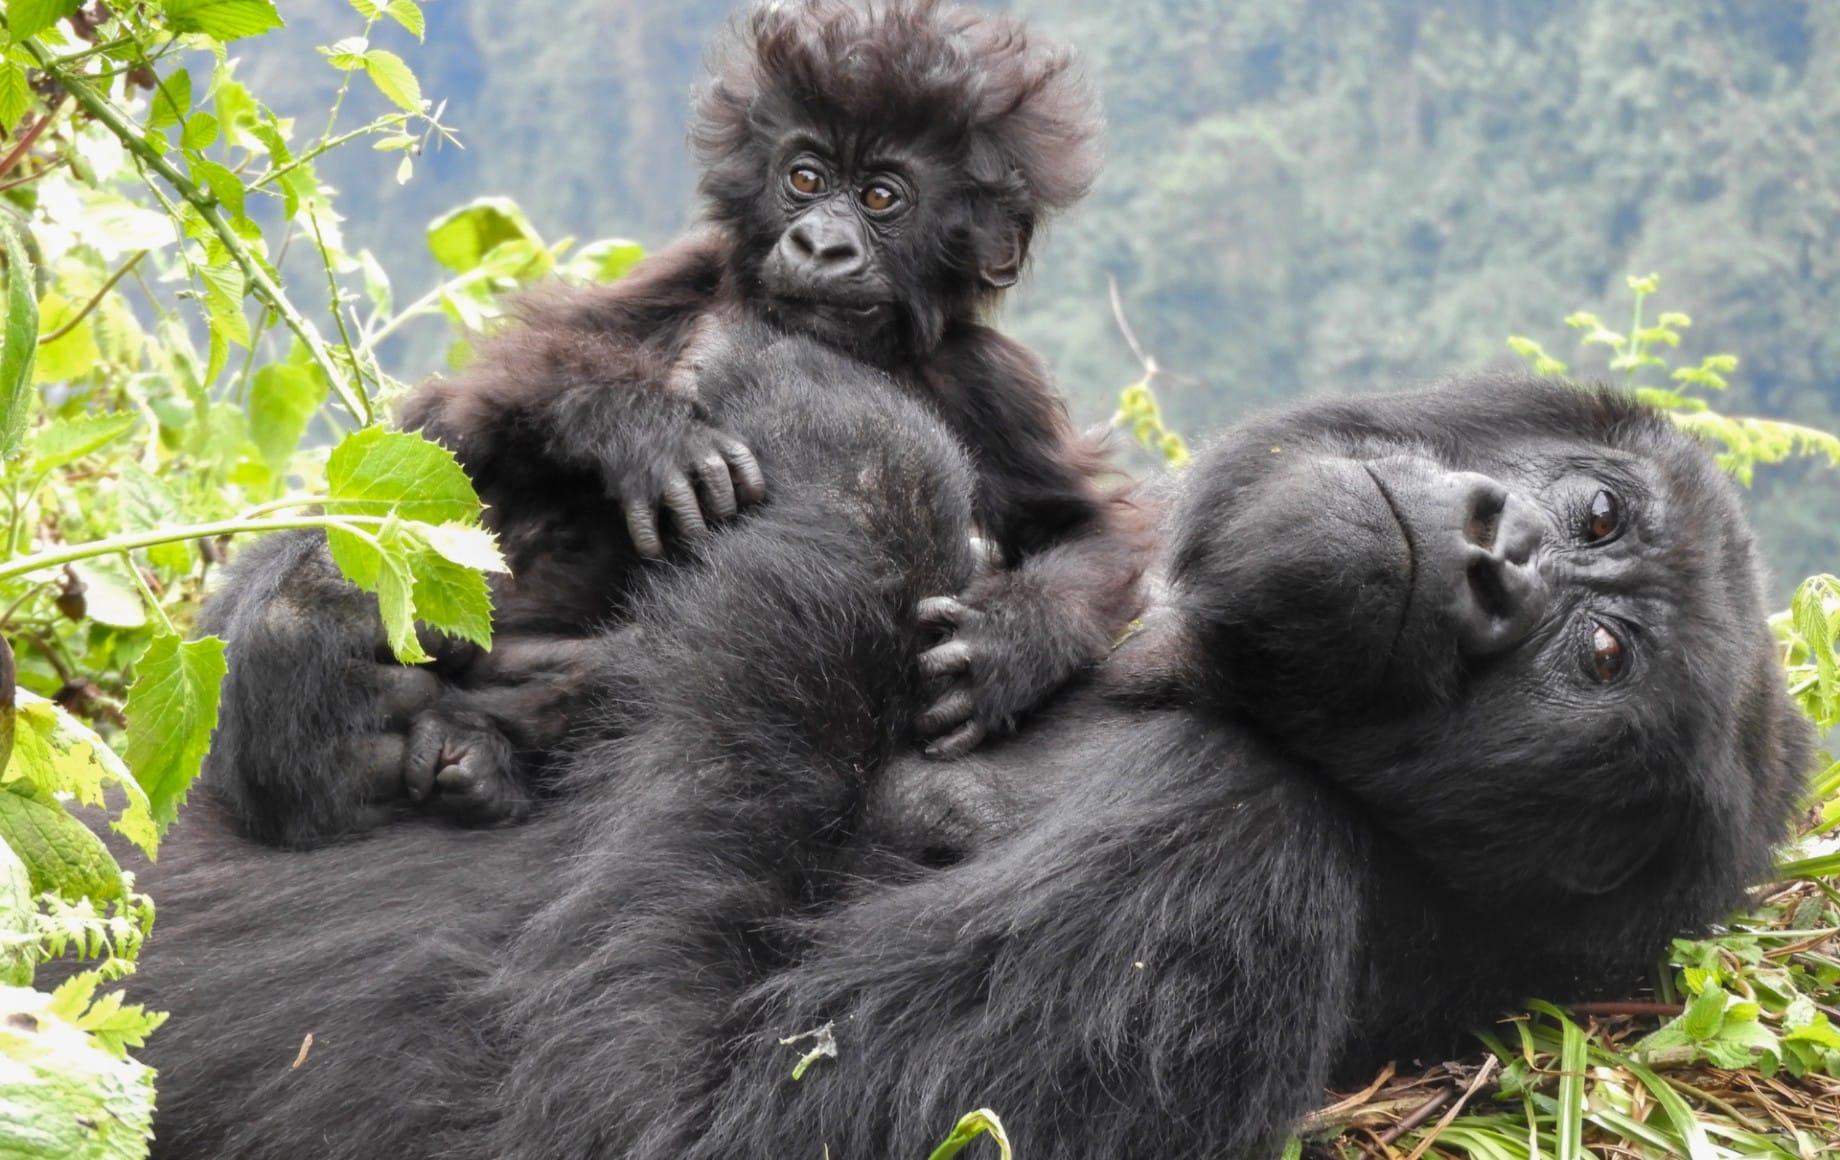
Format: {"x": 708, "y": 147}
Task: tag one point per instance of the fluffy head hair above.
{"x": 1019, "y": 117}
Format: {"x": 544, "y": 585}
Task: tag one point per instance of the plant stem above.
{"x": 95, "y": 300}
{"x": 264, "y": 287}
{"x": 147, "y": 595}
{"x": 130, "y": 541}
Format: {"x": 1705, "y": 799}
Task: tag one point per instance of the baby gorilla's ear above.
{"x": 1000, "y": 266}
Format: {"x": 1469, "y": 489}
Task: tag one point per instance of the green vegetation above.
{"x": 195, "y": 347}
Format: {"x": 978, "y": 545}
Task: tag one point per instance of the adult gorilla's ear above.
{"x": 1003, "y": 268}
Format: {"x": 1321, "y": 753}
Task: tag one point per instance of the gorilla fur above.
{"x": 1449, "y": 698}
{"x": 872, "y": 175}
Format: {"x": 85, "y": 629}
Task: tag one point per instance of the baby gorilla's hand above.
{"x": 699, "y": 475}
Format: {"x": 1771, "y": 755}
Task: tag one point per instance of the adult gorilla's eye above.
{"x": 804, "y": 179}
{"x": 1605, "y": 517}
{"x": 1608, "y": 656}
{"x": 879, "y": 197}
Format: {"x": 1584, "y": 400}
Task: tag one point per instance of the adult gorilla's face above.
{"x": 1477, "y": 610}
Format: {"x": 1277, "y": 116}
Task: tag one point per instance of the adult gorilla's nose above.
{"x": 1497, "y": 594}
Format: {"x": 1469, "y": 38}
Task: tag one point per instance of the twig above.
{"x": 95, "y": 300}
{"x": 1483, "y": 1074}
{"x": 20, "y": 147}
{"x": 208, "y": 208}
{"x": 1606, "y": 1010}
{"x": 1130, "y": 336}
{"x": 29, "y": 178}
{"x": 1418, "y": 1115}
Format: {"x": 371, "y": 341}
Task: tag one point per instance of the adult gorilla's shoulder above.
{"x": 1452, "y": 697}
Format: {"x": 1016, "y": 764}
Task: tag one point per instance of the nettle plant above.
{"x": 161, "y": 393}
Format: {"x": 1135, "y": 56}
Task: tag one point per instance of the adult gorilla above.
{"x": 1451, "y": 697}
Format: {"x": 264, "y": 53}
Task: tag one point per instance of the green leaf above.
{"x": 172, "y": 709}
{"x": 110, "y": 593}
{"x": 201, "y": 133}
{"x": 374, "y": 471}
{"x": 392, "y": 76}
{"x": 407, "y": 14}
{"x": 29, "y": 18}
{"x": 606, "y": 260}
{"x": 68, "y": 440}
{"x": 18, "y": 931}
{"x": 19, "y": 347}
{"x": 223, "y": 19}
{"x": 223, "y": 302}
{"x": 346, "y": 55}
{"x": 54, "y": 753}
{"x": 462, "y": 238}
{"x": 65, "y": 1095}
{"x": 224, "y": 185}
{"x": 282, "y": 402}
{"x": 172, "y": 100}
{"x": 970, "y": 1127}
{"x": 60, "y": 853}
{"x": 15, "y": 94}
{"x": 1704, "y": 1015}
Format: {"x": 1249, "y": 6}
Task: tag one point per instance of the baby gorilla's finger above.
{"x": 750, "y": 482}
{"x": 380, "y": 757}
{"x": 947, "y": 659}
{"x": 949, "y": 712}
{"x": 680, "y": 501}
{"x": 959, "y": 742}
{"x": 404, "y": 691}
{"x": 718, "y": 488}
{"x": 642, "y": 526}
{"x": 944, "y": 612}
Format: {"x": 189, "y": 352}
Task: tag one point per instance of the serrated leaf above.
{"x": 18, "y": 341}
{"x": 18, "y": 931}
{"x": 1704, "y": 1015}
{"x": 224, "y": 287}
{"x": 15, "y": 94}
{"x": 223, "y": 19}
{"x": 347, "y": 54}
{"x": 224, "y": 185}
{"x": 282, "y": 402}
{"x": 467, "y": 545}
{"x": 111, "y": 594}
{"x": 30, "y": 17}
{"x": 65, "y": 1095}
{"x": 60, "y": 853}
{"x": 172, "y": 709}
{"x": 201, "y": 133}
{"x": 55, "y": 753}
{"x": 172, "y": 100}
{"x": 407, "y": 14}
{"x": 375, "y": 471}
{"x": 394, "y": 79}
{"x": 461, "y": 238}
{"x": 452, "y": 598}
{"x": 68, "y": 440}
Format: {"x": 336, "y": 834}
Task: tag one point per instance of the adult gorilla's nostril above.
{"x": 1483, "y": 504}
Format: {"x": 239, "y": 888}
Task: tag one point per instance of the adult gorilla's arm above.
{"x": 320, "y": 731}
{"x": 1146, "y": 967}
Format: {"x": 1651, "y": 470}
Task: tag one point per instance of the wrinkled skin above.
{"x": 1420, "y": 724}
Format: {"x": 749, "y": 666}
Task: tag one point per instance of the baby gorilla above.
{"x": 1450, "y": 698}
{"x": 872, "y": 176}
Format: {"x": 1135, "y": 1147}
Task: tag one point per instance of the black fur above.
{"x": 585, "y": 424}
{"x": 1357, "y": 784}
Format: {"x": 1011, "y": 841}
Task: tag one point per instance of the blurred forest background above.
{"x": 1303, "y": 195}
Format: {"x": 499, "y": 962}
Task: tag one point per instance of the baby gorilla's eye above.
{"x": 1606, "y": 516}
{"x": 1608, "y": 656}
{"x": 879, "y": 197}
{"x": 804, "y": 179}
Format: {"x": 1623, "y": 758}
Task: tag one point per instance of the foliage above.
{"x": 160, "y": 394}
